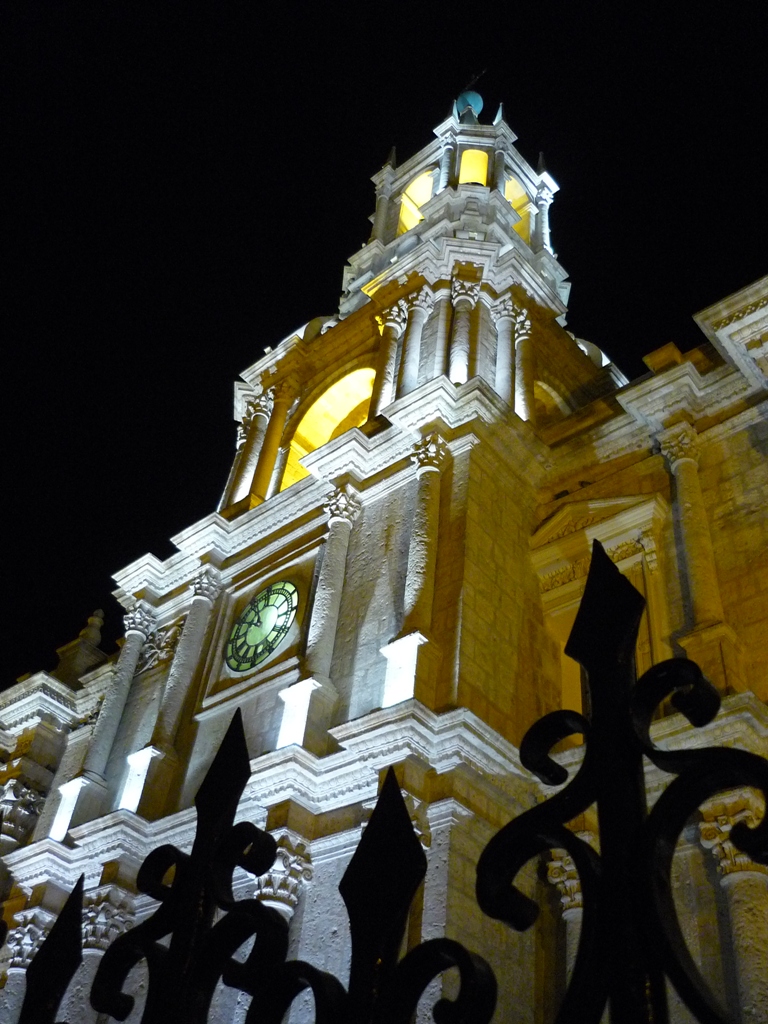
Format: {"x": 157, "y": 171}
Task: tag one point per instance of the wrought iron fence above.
{"x": 630, "y": 939}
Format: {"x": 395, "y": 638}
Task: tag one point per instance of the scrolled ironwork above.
{"x": 190, "y": 941}
{"x": 630, "y": 937}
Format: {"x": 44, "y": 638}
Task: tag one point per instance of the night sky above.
{"x": 184, "y": 182}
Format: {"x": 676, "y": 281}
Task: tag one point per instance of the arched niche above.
{"x": 340, "y": 407}
{"x": 473, "y": 169}
{"x": 418, "y": 192}
{"x": 550, "y": 407}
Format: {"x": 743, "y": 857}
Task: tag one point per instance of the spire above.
{"x": 542, "y": 167}
{"x": 391, "y": 160}
{"x": 499, "y": 114}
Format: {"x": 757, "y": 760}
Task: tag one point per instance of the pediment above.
{"x": 578, "y": 515}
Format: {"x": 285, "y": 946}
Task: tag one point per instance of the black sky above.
{"x": 184, "y": 182}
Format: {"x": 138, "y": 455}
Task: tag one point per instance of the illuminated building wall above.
{"x": 391, "y": 577}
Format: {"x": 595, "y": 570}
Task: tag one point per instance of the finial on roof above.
{"x": 391, "y": 159}
{"x": 499, "y": 114}
{"x": 468, "y": 105}
{"x": 92, "y": 631}
{"x": 541, "y": 166}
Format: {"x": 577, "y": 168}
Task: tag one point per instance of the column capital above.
{"x": 504, "y": 308}
{"x": 465, "y": 291}
{"x": 281, "y": 885}
{"x": 394, "y": 317}
{"x": 258, "y": 405}
{"x": 342, "y": 505}
{"x": 431, "y": 452}
{"x": 140, "y": 619}
{"x": 678, "y": 443}
{"x": 422, "y": 300}
{"x": 544, "y": 196}
{"x": 286, "y": 389}
{"x": 719, "y": 817}
{"x": 562, "y": 873}
{"x": 207, "y": 583}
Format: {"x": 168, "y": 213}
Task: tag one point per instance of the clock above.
{"x": 262, "y": 626}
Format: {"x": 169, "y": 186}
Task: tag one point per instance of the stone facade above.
{"x": 438, "y": 544}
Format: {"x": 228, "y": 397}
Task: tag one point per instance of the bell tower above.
{"x": 391, "y": 576}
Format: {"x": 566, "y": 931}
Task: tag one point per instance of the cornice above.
{"x": 660, "y": 399}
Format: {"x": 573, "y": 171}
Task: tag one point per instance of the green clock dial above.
{"x": 262, "y": 626}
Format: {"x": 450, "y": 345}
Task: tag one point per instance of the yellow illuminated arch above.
{"x": 342, "y": 406}
{"x": 474, "y": 167}
{"x": 415, "y": 195}
{"x": 520, "y": 201}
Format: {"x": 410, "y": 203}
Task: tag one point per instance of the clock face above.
{"x": 262, "y": 626}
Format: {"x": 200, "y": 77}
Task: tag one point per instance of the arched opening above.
{"x": 549, "y": 405}
{"x": 473, "y": 169}
{"x": 413, "y": 198}
{"x": 520, "y": 202}
{"x": 342, "y": 406}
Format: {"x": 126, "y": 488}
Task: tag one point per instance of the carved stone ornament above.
{"x": 431, "y": 452}
{"x": 105, "y": 916}
{"x": 242, "y": 434}
{"x": 544, "y": 196}
{"x": 465, "y": 291}
{"x": 283, "y": 882}
{"x": 679, "y": 442}
{"x": 207, "y": 583}
{"x": 20, "y": 806}
{"x": 421, "y": 300}
{"x": 27, "y": 937}
{"x": 160, "y": 646}
{"x": 580, "y": 567}
{"x": 259, "y": 405}
{"x": 140, "y": 619}
{"x": 394, "y": 317}
{"x": 715, "y": 830}
{"x": 561, "y": 872}
{"x": 504, "y": 309}
{"x": 342, "y": 504}
{"x": 752, "y": 307}
{"x": 522, "y": 324}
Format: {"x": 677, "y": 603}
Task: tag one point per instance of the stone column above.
{"x": 561, "y": 872}
{"x": 746, "y": 887}
{"x": 679, "y": 446}
{"x": 149, "y": 787}
{"x": 392, "y": 322}
{"x": 283, "y": 395}
{"x": 543, "y": 202}
{"x": 139, "y": 622}
{"x": 380, "y": 217}
{"x": 419, "y": 307}
{"x": 254, "y": 427}
{"x": 309, "y": 704}
{"x": 343, "y": 508}
{"x": 464, "y": 295}
{"x": 525, "y": 368}
{"x": 430, "y": 456}
{"x": 82, "y": 798}
{"x": 443, "y": 317}
{"x": 446, "y": 166}
{"x": 504, "y": 316}
{"x": 498, "y": 170}
{"x": 206, "y": 586}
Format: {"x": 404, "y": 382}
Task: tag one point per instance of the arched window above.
{"x": 413, "y": 198}
{"x": 342, "y": 406}
{"x": 520, "y": 202}
{"x": 474, "y": 167}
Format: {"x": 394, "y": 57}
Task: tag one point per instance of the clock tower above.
{"x": 390, "y": 579}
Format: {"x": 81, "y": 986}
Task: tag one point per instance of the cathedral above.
{"x": 391, "y": 577}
